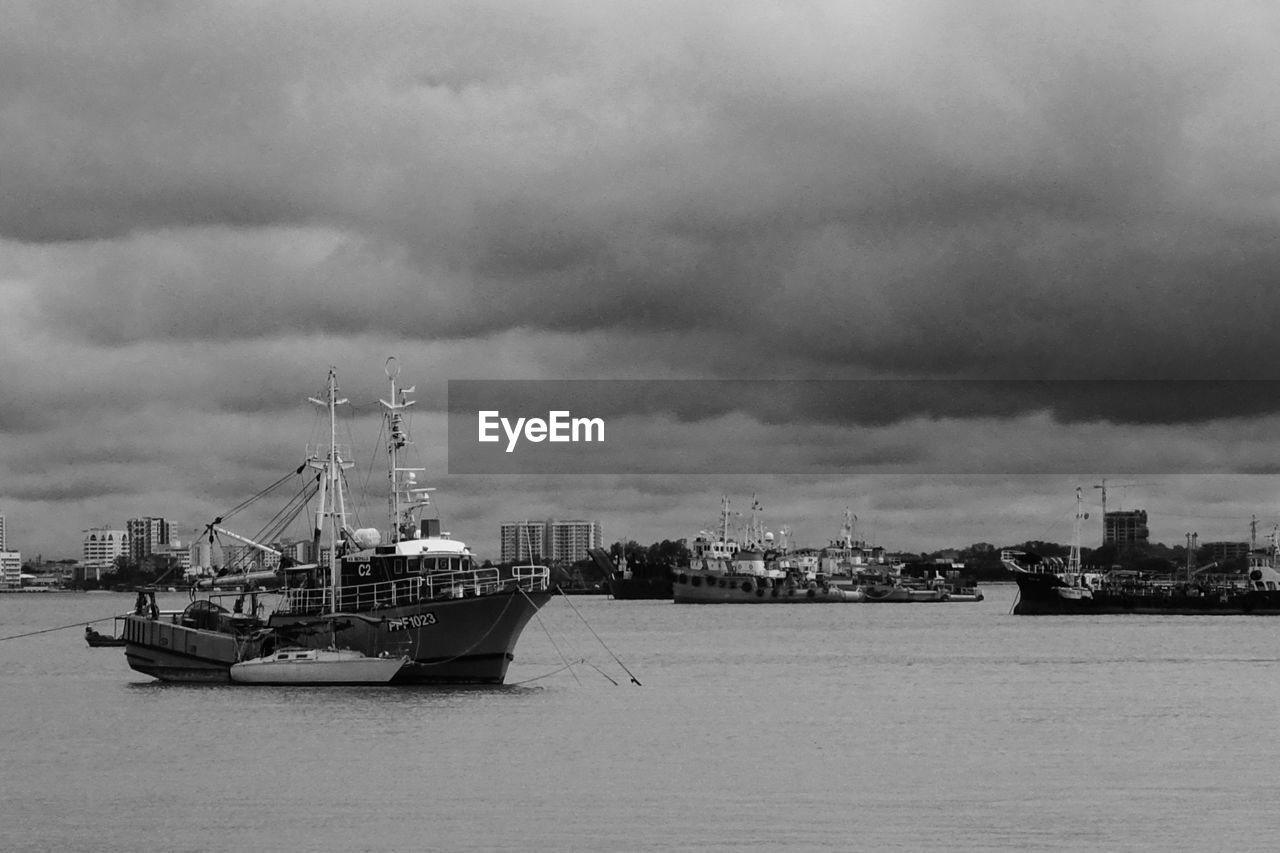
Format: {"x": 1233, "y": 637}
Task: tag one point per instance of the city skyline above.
{"x": 198, "y": 224}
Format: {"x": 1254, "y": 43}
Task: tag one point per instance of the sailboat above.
{"x": 299, "y": 665}
{"x": 420, "y": 595}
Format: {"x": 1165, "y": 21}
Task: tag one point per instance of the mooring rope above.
{"x": 554, "y": 645}
{"x": 634, "y": 680}
{"x": 568, "y": 666}
{"x": 59, "y": 628}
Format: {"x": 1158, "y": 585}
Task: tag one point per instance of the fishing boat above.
{"x": 419, "y": 593}
{"x": 1046, "y": 586}
{"x": 753, "y": 570}
{"x": 300, "y": 665}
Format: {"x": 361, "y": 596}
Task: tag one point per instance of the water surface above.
{"x": 911, "y": 727}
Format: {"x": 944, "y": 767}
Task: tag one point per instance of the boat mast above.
{"x": 332, "y": 506}
{"x": 724, "y": 519}
{"x": 401, "y": 480}
{"x": 1073, "y": 564}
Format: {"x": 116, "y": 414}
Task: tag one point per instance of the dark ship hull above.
{"x": 449, "y": 641}
{"x": 632, "y": 589}
{"x": 1044, "y": 594}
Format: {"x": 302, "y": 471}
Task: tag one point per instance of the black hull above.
{"x": 102, "y": 641}
{"x": 467, "y": 640}
{"x": 1038, "y": 596}
{"x": 635, "y": 589}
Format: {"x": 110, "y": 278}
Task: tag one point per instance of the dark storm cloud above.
{"x": 930, "y": 188}
{"x": 204, "y": 202}
{"x": 874, "y": 402}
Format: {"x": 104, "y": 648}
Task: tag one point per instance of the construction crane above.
{"x": 1103, "y": 487}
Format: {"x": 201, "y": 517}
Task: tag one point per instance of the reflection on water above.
{"x": 824, "y": 727}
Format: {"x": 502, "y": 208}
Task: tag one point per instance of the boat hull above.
{"x": 468, "y": 640}
{"x": 448, "y": 641}
{"x": 163, "y": 648}
{"x": 698, "y": 588}
{"x": 1039, "y": 595}
{"x": 636, "y": 589}
{"x": 316, "y": 667}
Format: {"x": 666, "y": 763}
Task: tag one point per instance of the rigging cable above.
{"x": 59, "y": 628}
{"x": 634, "y": 680}
{"x": 554, "y": 645}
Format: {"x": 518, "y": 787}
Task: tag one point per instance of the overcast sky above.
{"x": 204, "y": 206}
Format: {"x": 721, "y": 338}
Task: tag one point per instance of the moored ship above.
{"x": 422, "y": 595}
{"x": 1048, "y": 587}
{"x": 753, "y": 570}
{"x": 626, "y": 584}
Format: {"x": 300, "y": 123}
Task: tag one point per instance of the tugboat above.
{"x": 1046, "y": 587}
{"x": 422, "y": 595}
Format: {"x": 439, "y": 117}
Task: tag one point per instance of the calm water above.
{"x": 832, "y": 727}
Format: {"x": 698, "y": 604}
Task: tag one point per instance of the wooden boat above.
{"x": 298, "y": 665}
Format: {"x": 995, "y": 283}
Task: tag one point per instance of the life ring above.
{"x": 746, "y": 586}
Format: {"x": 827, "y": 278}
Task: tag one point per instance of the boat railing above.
{"x": 371, "y": 596}
{"x": 532, "y": 578}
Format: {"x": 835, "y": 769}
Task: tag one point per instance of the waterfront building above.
{"x": 147, "y": 535}
{"x": 169, "y": 561}
{"x": 3, "y": 545}
{"x": 551, "y": 540}
{"x": 102, "y": 546}
{"x": 1223, "y": 551}
{"x": 299, "y": 552}
{"x": 10, "y": 569}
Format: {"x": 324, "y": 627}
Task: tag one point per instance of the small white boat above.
{"x": 297, "y": 665}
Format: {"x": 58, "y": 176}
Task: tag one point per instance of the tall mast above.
{"x": 332, "y": 507}
{"x": 1073, "y": 565}
{"x": 405, "y": 495}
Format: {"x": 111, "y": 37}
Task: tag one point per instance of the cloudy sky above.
{"x": 205, "y": 206}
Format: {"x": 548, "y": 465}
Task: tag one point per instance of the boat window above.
{"x": 397, "y": 565}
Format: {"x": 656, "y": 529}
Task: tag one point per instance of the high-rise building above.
{"x": 146, "y": 535}
{"x": 550, "y": 541}
{"x": 3, "y": 544}
{"x": 1126, "y": 528}
{"x": 570, "y": 540}
{"x": 523, "y": 541}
